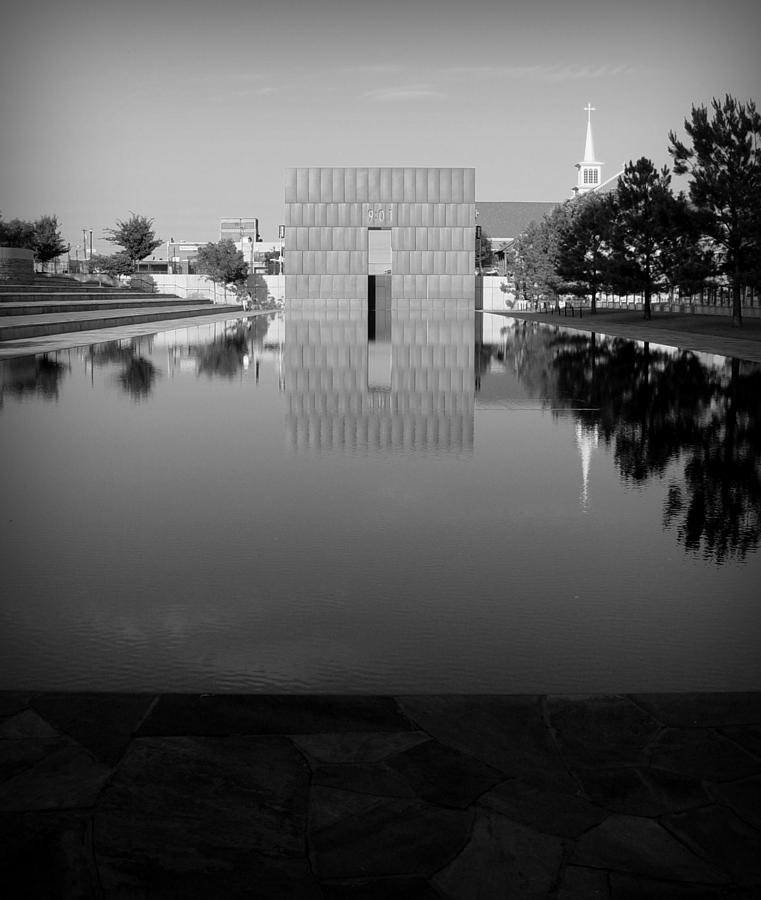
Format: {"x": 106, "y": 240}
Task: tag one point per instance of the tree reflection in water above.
{"x": 656, "y": 406}
{"x": 225, "y": 355}
{"x": 138, "y": 375}
{"x": 31, "y": 375}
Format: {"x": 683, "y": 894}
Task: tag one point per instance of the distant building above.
{"x": 237, "y": 229}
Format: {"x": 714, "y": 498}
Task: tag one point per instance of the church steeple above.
{"x": 590, "y": 169}
{"x": 589, "y": 147}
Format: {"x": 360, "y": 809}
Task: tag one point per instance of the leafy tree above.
{"x": 135, "y": 236}
{"x": 724, "y": 165}
{"x": 646, "y": 218}
{"x": 536, "y": 255}
{"x": 223, "y": 264}
{"x": 114, "y": 265}
{"x": 17, "y": 233}
{"x": 584, "y": 248}
{"x": 48, "y": 243}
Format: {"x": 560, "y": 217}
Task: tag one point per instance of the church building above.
{"x": 503, "y": 222}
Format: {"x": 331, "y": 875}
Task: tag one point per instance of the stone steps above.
{"x": 70, "y": 321}
{"x": 59, "y": 306}
{"x": 54, "y": 305}
{"x": 10, "y": 295}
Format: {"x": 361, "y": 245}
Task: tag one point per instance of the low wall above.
{"x": 16, "y": 265}
{"x": 199, "y": 287}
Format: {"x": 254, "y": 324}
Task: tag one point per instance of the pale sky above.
{"x": 188, "y": 111}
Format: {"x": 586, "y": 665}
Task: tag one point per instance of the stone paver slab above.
{"x": 185, "y": 796}
{"x": 747, "y": 736}
{"x": 578, "y": 883}
{"x": 702, "y": 753}
{"x": 329, "y": 806}
{"x": 744, "y": 797}
{"x": 443, "y": 775}
{"x": 394, "y": 837}
{"x": 502, "y": 859}
{"x": 548, "y": 812}
{"x": 642, "y": 792}
{"x": 630, "y": 887}
{"x": 26, "y": 724}
{"x": 62, "y": 776}
{"x": 46, "y": 855}
{"x": 695, "y": 710}
{"x": 381, "y": 889}
{"x": 103, "y": 723}
{"x": 356, "y": 747}
{"x": 206, "y": 872}
{"x": 601, "y": 730}
{"x": 639, "y": 846}
{"x": 220, "y": 714}
{"x": 507, "y": 733}
{"x": 720, "y": 836}
{"x": 17, "y": 756}
{"x": 375, "y": 779}
{"x": 12, "y": 702}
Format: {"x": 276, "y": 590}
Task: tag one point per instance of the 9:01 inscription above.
{"x": 380, "y": 215}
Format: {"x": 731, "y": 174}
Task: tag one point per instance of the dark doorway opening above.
{"x": 379, "y": 307}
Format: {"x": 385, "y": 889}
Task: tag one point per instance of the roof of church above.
{"x": 608, "y": 186}
{"x": 503, "y": 221}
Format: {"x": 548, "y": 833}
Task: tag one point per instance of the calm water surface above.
{"x": 457, "y": 504}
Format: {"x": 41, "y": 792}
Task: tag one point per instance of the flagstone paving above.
{"x": 332, "y": 797}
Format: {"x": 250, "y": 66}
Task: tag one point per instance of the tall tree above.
{"x": 535, "y": 255}
{"x": 724, "y": 166}
{"x": 17, "y": 233}
{"x": 222, "y": 263}
{"x": 646, "y": 217}
{"x": 135, "y": 236}
{"x": 48, "y": 243}
{"x": 585, "y": 245}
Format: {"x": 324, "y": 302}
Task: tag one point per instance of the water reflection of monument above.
{"x": 400, "y": 379}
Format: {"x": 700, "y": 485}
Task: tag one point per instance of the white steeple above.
{"x": 589, "y": 168}
{"x": 587, "y": 439}
{"x": 589, "y": 147}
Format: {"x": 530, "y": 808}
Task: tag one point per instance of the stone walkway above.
{"x": 705, "y": 334}
{"x": 411, "y": 798}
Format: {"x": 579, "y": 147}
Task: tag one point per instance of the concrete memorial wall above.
{"x": 430, "y": 213}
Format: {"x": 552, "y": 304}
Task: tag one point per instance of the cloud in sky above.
{"x": 547, "y": 73}
{"x": 404, "y": 93}
{"x": 373, "y": 68}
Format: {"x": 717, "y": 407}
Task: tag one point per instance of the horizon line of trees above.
{"x": 644, "y": 239}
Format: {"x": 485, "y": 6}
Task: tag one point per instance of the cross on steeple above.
{"x": 589, "y": 109}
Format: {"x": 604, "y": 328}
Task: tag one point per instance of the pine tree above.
{"x": 724, "y": 166}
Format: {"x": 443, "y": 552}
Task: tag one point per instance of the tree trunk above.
{"x": 737, "y": 312}
{"x": 648, "y": 311}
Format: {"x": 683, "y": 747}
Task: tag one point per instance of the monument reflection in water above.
{"x": 398, "y": 378}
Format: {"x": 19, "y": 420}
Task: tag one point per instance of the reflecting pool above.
{"x": 421, "y": 500}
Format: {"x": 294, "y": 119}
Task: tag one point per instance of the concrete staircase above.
{"x": 59, "y": 305}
